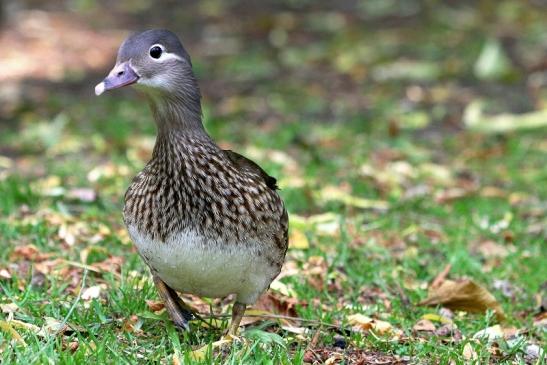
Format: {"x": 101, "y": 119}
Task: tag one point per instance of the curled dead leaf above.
{"x": 465, "y": 295}
{"x": 424, "y": 325}
{"x": 362, "y": 323}
{"x": 155, "y": 305}
{"x": 28, "y": 252}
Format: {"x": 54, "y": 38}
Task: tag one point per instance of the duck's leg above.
{"x": 179, "y": 312}
{"x": 238, "y": 311}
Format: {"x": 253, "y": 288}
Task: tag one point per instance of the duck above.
{"x": 205, "y": 220}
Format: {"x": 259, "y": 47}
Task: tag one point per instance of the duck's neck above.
{"x": 177, "y": 114}
{"x": 178, "y": 120}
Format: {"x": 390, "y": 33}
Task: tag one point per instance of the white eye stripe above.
{"x": 166, "y": 56}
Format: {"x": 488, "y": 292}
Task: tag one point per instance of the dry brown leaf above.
{"x": 273, "y": 302}
{"x": 463, "y": 295}
{"x": 449, "y": 329}
{"x": 424, "y": 325}
{"x": 155, "y": 305}
{"x": 28, "y": 252}
{"x": 315, "y": 271}
{"x": 490, "y": 249}
{"x": 112, "y": 264}
{"x": 132, "y": 325}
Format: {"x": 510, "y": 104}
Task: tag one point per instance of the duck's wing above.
{"x": 244, "y": 163}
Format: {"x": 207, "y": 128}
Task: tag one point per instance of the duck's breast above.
{"x": 192, "y": 263}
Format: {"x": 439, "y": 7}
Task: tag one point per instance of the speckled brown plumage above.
{"x": 191, "y": 183}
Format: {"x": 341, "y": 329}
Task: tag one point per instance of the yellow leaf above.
{"x": 6, "y": 327}
{"x": 436, "y": 318}
{"x": 364, "y": 323}
{"x": 335, "y": 193}
{"x": 298, "y": 240}
{"x": 200, "y": 353}
{"x": 27, "y": 326}
{"x": 464, "y": 295}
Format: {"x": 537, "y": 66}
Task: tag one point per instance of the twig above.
{"x": 312, "y": 322}
{"x": 441, "y": 276}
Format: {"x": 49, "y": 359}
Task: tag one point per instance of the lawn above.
{"x": 384, "y": 132}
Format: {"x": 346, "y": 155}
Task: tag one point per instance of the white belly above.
{"x": 191, "y": 263}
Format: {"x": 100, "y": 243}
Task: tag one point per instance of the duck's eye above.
{"x": 155, "y": 52}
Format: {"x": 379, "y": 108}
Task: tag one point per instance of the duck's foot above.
{"x": 238, "y": 310}
{"x": 178, "y": 311}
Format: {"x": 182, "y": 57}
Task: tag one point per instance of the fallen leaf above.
{"x": 315, "y": 272}
{"x": 132, "y": 325}
{"x": 334, "y": 193}
{"x": 72, "y": 346}
{"x": 468, "y": 352}
{"x": 449, "y": 329}
{"x": 436, "y": 318}
{"x": 155, "y": 305}
{"x": 282, "y": 288}
{"x": 7, "y": 327}
{"x": 298, "y": 240}
{"x": 475, "y": 119}
{"x": 28, "y": 252}
{"x": 92, "y": 292}
{"x": 5, "y": 274}
{"x": 273, "y": 302}
{"x": 534, "y": 352}
{"x": 27, "y": 326}
{"x": 490, "y": 249}
{"x": 85, "y": 195}
{"x": 490, "y": 333}
{"x": 364, "y": 323}
{"x": 424, "y": 325}
{"x": 9, "y": 308}
{"x": 463, "y": 295}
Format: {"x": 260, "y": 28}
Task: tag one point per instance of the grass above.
{"x": 323, "y": 120}
{"x": 387, "y": 253}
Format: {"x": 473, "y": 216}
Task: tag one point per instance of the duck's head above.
{"x": 154, "y": 60}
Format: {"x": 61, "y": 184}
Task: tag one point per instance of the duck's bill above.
{"x": 122, "y": 75}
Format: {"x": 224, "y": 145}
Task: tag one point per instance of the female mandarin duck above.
{"x": 207, "y": 221}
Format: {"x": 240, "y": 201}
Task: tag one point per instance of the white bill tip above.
{"x": 99, "y": 89}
